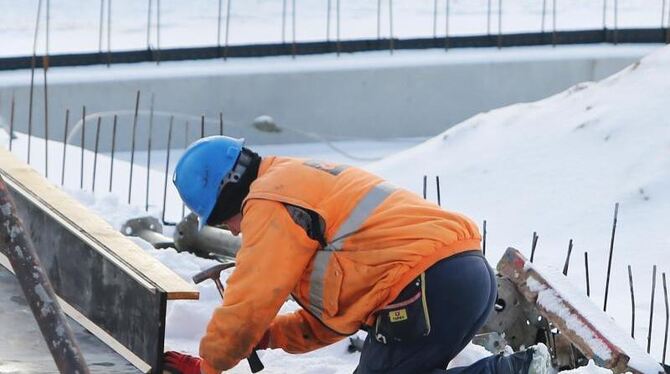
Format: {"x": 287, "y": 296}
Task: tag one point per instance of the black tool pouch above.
{"x": 406, "y": 318}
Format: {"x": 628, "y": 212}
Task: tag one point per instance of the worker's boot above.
{"x": 541, "y": 361}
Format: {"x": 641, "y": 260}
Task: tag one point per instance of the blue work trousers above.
{"x": 460, "y": 293}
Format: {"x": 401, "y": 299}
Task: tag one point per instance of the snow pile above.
{"x": 557, "y": 167}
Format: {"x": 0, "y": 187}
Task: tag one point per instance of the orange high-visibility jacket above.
{"x": 379, "y": 237}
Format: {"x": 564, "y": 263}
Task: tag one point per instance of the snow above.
{"x": 556, "y": 166}
{"x": 194, "y": 23}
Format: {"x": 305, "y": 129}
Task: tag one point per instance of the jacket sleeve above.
{"x": 300, "y": 332}
{"x": 275, "y": 252}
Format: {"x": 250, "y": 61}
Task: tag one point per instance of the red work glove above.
{"x": 179, "y": 363}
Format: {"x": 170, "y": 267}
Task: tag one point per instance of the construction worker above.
{"x": 353, "y": 250}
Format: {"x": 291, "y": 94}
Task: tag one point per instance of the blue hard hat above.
{"x": 201, "y": 171}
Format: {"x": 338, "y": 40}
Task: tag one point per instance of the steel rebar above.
{"x": 425, "y": 186}
{"x": 337, "y": 12}
{"x": 283, "y": 21}
{"x": 567, "y": 259}
{"x": 218, "y": 26}
{"x": 499, "y": 24}
{"x": 225, "y": 49}
{"x": 83, "y": 140}
{"x": 609, "y": 262}
{"x": 202, "y": 126}
{"x": 109, "y": 32}
{"x": 11, "y": 122}
{"x": 651, "y": 308}
{"x": 167, "y": 167}
{"x": 95, "y": 153}
{"x": 101, "y": 22}
{"x": 437, "y": 185}
{"x": 533, "y": 246}
{"x": 667, "y": 318}
{"x": 553, "y": 23}
{"x": 158, "y": 32}
{"x": 37, "y": 288}
{"x": 62, "y": 169}
{"x": 391, "y": 46}
{"x": 32, "y": 77}
{"x": 132, "y": 147}
{"x": 632, "y": 302}
{"x": 151, "y": 126}
{"x": 586, "y": 270}
{"x": 186, "y": 131}
{"x": 446, "y": 26}
{"x": 328, "y": 21}
{"x": 544, "y": 12}
{"x": 220, "y": 123}
{"x": 111, "y": 161}
{"x": 488, "y": 18}
{"x": 149, "y": 25}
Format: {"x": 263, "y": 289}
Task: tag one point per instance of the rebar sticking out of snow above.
{"x": 11, "y": 122}
{"x": 32, "y": 78}
{"x": 533, "y": 246}
{"x": 220, "y": 123}
{"x": 62, "y": 169}
{"x": 609, "y": 262}
{"x": 111, "y": 161}
{"x": 95, "y": 153}
{"x": 151, "y": 126}
{"x": 83, "y": 139}
{"x": 567, "y": 259}
{"x": 651, "y": 308}
{"x": 586, "y": 274}
{"x": 167, "y": 167}
{"x": 446, "y": 26}
{"x": 632, "y": 302}
{"x": 132, "y": 147}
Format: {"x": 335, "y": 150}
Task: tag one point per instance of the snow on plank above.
{"x": 592, "y": 331}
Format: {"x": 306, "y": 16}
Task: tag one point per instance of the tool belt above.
{"x": 406, "y": 318}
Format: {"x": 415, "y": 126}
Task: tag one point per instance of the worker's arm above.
{"x": 275, "y": 252}
{"x": 300, "y": 332}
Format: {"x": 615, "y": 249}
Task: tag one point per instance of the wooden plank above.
{"x": 108, "y": 284}
{"x": 587, "y": 327}
{"x": 91, "y": 228}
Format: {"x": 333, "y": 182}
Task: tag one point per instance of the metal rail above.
{"x": 636, "y": 36}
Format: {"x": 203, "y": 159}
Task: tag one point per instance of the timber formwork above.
{"x": 103, "y": 280}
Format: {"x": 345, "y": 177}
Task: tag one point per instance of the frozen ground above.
{"x": 74, "y": 25}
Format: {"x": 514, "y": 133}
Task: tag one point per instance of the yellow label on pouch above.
{"x": 398, "y": 315}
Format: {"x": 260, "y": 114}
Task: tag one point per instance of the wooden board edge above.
{"x": 94, "y": 230}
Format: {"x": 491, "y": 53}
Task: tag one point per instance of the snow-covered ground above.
{"x": 556, "y": 166}
{"x": 75, "y": 25}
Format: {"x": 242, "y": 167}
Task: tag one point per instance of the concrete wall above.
{"x": 412, "y": 93}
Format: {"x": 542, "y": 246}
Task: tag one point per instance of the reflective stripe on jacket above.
{"x": 378, "y": 238}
